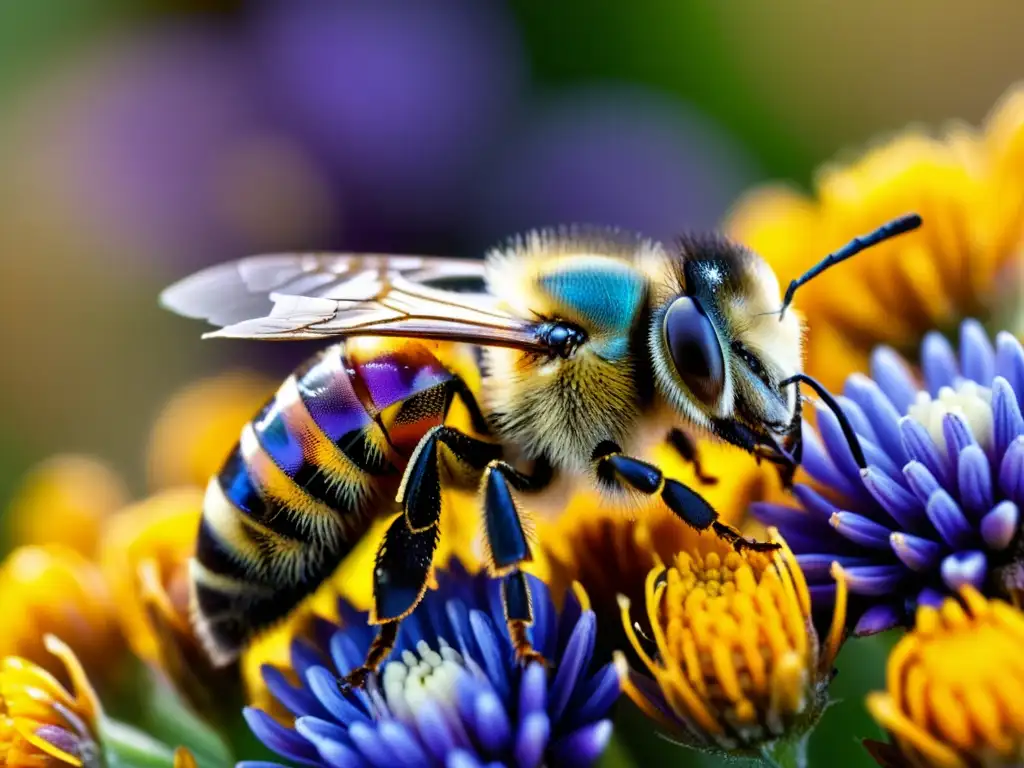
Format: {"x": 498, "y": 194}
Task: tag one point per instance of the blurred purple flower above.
{"x": 403, "y": 100}
{"x": 169, "y": 149}
{"x": 614, "y": 156}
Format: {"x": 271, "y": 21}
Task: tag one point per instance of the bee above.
{"x": 564, "y": 348}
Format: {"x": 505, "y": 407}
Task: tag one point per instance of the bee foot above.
{"x": 739, "y": 542}
{"x": 355, "y": 680}
{"x": 528, "y": 656}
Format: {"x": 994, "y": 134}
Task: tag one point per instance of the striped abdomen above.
{"x": 307, "y": 478}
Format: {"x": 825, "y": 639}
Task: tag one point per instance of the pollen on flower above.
{"x": 738, "y": 661}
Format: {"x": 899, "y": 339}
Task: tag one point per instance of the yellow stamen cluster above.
{"x": 954, "y": 686}
{"x": 41, "y": 722}
{"x": 738, "y": 661}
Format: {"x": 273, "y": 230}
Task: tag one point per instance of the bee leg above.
{"x": 400, "y": 578}
{"x": 615, "y": 470}
{"x": 509, "y": 549}
{"x": 405, "y": 556}
{"x": 687, "y": 449}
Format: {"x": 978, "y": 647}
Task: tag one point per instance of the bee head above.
{"x": 720, "y": 351}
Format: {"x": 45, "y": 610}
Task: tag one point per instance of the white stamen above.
{"x": 424, "y": 678}
{"x": 968, "y": 399}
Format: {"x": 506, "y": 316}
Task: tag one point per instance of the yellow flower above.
{"x": 54, "y": 589}
{"x": 954, "y": 688}
{"x": 737, "y": 665}
{"x": 41, "y": 722}
{"x": 200, "y": 424}
{"x": 65, "y": 500}
{"x": 144, "y": 556}
{"x": 965, "y": 261}
{"x": 610, "y": 547}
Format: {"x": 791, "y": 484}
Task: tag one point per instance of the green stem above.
{"x": 128, "y": 747}
{"x": 786, "y": 753}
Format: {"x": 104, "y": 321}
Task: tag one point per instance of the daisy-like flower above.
{"x": 200, "y": 424}
{"x": 65, "y": 499}
{"x": 41, "y": 722}
{"x": 54, "y": 589}
{"x": 932, "y": 501}
{"x": 953, "y": 688}
{"x": 45, "y": 724}
{"x": 735, "y": 662}
{"x": 968, "y": 186}
{"x": 451, "y": 694}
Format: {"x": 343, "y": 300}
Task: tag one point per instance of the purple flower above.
{"x": 451, "y": 694}
{"x": 937, "y": 504}
{"x": 614, "y": 156}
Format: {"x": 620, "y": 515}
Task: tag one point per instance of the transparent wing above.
{"x": 309, "y": 295}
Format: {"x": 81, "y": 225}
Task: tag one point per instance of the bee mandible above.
{"x": 564, "y": 347}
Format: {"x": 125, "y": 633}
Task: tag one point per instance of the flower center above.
{"x": 424, "y": 678}
{"x": 968, "y": 399}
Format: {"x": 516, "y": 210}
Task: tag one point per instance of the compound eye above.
{"x": 695, "y": 350}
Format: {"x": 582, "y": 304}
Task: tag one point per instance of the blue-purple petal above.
{"x": 490, "y": 651}
{"x": 296, "y": 699}
{"x": 365, "y": 739}
{"x": 977, "y": 356}
{"x": 880, "y": 412}
{"x": 533, "y": 689}
{"x": 493, "y": 728}
{"x": 332, "y": 743}
{"x": 894, "y": 377}
{"x": 921, "y": 448}
{"x": 839, "y": 450}
{"x": 861, "y": 530}
{"x": 857, "y": 418}
{"x": 583, "y": 746}
{"x": 1011, "y": 472}
{"x": 958, "y": 435}
{"x": 573, "y": 663}
{"x": 818, "y": 567}
{"x": 878, "y": 618}
{"x": 931, "y": 597}
{"x": 819, "y": 465}
{"x": 1000, "y": 525}
{"x": 921, "y": 481}
{"x": 401, "y": 743}
{"x": 917, "y": 553}
{"x": 284, "y": 741}
{"x": 875, "y": 580}
{"x": 974, "y": 477}
{"x": 964, "y": 569}
{"x": 899, "y": 503}
{"x": 324, "y": 685}
{"x": 532, "y": 740}
{"x": 1010, "y": 361}
{"x": 596, "y": 698}
{"x": 1007, "y": 422}
{"x": 949, "y": 520}
{"x": 938, "y": 362}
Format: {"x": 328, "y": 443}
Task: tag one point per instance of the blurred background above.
{"x": 141, "y": 140}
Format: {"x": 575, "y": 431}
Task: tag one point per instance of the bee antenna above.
{"x": 844, "y": 423}
{"x": 891, "y": 229}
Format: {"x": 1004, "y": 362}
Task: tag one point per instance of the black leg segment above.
{"x": 509, "y": 548}
{"x": 627, "y": 473}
